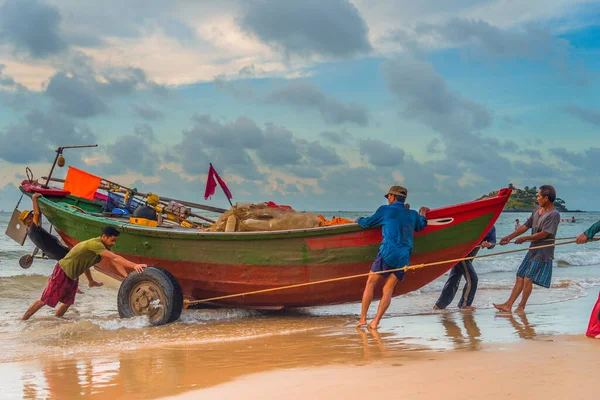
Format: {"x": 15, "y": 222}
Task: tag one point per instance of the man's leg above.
{"x": 33, "y": 309}
{"x": 90, "y": 278}
{"x": 450, "y": 288}
{"x": 472, "y": 279}
{"x": 385, "y": 301}
{"x": 507, "y": 306}
{"x": 527, "y": 288}
{"x": 367, "y": 297}
{"x": 62, "y": 310}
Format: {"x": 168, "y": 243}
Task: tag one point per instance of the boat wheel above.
{"x": 147, "y": 298}
{"x": 155, "y": 293}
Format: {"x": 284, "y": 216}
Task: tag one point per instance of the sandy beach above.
{"x": 312, "y": 352}
{"x": 560, "y": 367}
{"x": 539, "y": 355}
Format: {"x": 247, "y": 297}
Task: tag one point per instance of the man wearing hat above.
{"x": 398, "y": 225}
{"x": 49, "y": 244}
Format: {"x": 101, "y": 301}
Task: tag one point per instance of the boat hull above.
{"x": 217, "y": 264}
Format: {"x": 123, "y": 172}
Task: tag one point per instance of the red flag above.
{"x": 211, "y": 185}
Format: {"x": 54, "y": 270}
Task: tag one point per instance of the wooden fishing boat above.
{"x": 211, "y": 264}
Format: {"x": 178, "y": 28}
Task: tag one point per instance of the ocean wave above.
{"x": 578, "y": 258}
{"x": 12, "y": 254}
{"x": 123, "y": 323}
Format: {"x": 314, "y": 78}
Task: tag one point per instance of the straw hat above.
{"x": 398, "y": 191}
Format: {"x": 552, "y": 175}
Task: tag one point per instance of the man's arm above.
{"x": 375, "y": 219}
{"x": 37, "y": 215}
{"x": 520, "y": 230}
{"x": 589, "y": 234}
{"x": 533, "y": 238}
{"x": 120, "y": 263}
{"x": 421, "y": 219}
{"x": 489, "y": 241}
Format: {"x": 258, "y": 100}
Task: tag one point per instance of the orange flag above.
{"x": 81, "y": 183}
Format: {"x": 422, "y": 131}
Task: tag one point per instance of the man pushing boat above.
{"x": 398, "y": 225}
{"x": 63, "y": 282}
{"x": 50, "y": 245}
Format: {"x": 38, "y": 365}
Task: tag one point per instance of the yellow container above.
{"x": 143, "y": 222}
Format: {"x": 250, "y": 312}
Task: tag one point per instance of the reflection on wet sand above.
{"x": 471, "y": 340}
{"x": 157, "y": 372}
{"x": 523, "y": 329}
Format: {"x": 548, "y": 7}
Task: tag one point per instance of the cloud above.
{"x": 279, "y": 147}
{"x": 342, "y": 137}
{"x": 147, "y": 112}
{"x": 80, "y": 90}
{"x": 34, "y": 138}
{"x": 584, "y": 161}
{"x": 225, "y": 145}
{"x": 528, "y": 41}
{"x": 144, "y": 131}
{"x": 132, "y": 153}
{"x": 380, "y": 154}
{"x": 320, "y": 155}
{"x": 31, "y": 26}
{"x": 332, "y": 28}
{"x": 74, "y": 97}
{"x": 241, "y": 133}
{"x": 588, "y": 115}
{"x": 429, "y": 100}
{"x": 304, "y": 95}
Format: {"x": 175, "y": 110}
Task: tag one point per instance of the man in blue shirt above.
{"x": 465, "y": 268}
{"x": 398, "y": 225}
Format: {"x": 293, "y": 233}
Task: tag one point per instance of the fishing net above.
{"x": 262, "y": 217}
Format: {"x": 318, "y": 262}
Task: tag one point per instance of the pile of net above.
{"x": 264, "y": 217}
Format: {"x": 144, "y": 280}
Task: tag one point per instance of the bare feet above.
{"x": 520, "y": 310}
{"x": 95, "y": 283}
{"x": 597, "y": 337}
{"x": 362, "y": 322}
{"x": 373, "y": 325}
{"x": 468, "y": 308}
{"x": 503, "y": 307}
{"x": 436, "y": 307}
{"x": 79, "y": 291}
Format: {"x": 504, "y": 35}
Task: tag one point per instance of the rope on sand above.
{"x": 405, "y": 268}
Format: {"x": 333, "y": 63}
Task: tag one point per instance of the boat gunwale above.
{"x": 192, "y": 233}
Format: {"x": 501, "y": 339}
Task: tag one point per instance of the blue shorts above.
{"x": 380, "y": 265}
{"x": 539, "y": 272}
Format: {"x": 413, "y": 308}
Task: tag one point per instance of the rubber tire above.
{"x": 168, "y": 284}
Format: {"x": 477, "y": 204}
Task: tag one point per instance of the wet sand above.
{"x": 302, "y": 353}
{"x": 562, "y": 367}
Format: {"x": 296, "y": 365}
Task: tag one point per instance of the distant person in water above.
{"x": 49, "y": 244}
{"x": 465, "y": 268}
{"x": 573, "y": 219}
{"x": 63, "y": 282}
{"x": 517, "y": 224}
{"x": 398, "y": 225}
{"x": 536, "y": 267}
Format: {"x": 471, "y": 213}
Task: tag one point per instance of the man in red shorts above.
{"x": 62, "y": 285}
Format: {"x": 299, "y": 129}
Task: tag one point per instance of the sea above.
{"x": 91, "y": 352}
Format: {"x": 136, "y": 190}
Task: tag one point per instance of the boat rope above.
{"x": 405, "y": 268}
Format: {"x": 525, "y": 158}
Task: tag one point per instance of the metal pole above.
{"x": 58, "y": 153}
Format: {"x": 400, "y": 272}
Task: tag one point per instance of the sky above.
{"x": 318, "y": 104}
